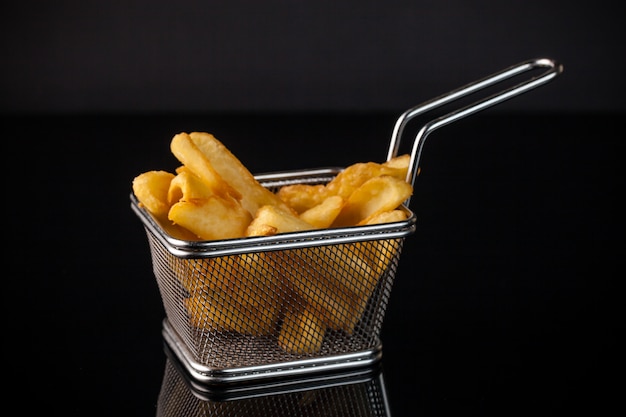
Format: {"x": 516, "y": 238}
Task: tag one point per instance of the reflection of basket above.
{"x": 255, "y": 308}
{"x": 343, "y": 394}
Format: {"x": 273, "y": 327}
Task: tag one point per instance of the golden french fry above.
{"x": 176, "y": 231}
{"x": 346, "y": 269}
{"x": 376, "y": 195}
{"x": 150, "y": 188}
{"x": 332, "y": 302}
{"x": 212, "y": 218}
{"x": 355, "y": 273}
{"x": 253, "y": 194}
{"x": 355, "y": 175}
{"x": 379, "y": 253}
{"x": 302, "y": 331}
{"x": 400, "y": 162}
{"x": 258, "y": 283}
{"x": 390, "y": 216}
{"x": 186, "y": 186}
{"x": 197, "y": 275}
{"x": 375, "y": 254}
{"x": 302, "y": 197}
{"x": 187, "y": 152}
{"x": 324, "y": 214}
{"x": 351, "y": 178}
{"x": 275, "y": 220}
{"x": 232, "y": 293}
{"x": 216, "y": 311}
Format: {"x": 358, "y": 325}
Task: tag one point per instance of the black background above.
{"x": 508, "y": 300}
{"x": 277, "y": 55}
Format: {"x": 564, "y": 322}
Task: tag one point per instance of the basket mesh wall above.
{"x": 268, "y": 307}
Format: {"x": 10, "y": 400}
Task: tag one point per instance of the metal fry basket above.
{"x": 296, "y": 304}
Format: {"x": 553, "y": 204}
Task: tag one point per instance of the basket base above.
{"x": 354, "y": 362}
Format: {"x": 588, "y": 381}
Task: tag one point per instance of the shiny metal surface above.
{"x": 550, "y": 69}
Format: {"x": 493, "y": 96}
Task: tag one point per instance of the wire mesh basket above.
{"x": 255, "y": 308}
{"x": 247, "y": 308}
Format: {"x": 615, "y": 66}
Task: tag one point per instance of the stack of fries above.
{"x": 213, "y": 196}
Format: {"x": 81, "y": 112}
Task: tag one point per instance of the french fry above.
{"x": 370, "y": 259}
{"x": 302, "y": 331}
{"x": 302, "y": 197}
{"x": 324, "y": 214}
{"x": 374, "y": 196}
{"x": 212, "y": 218}
{"x": 176, "y": 231}
{"x": 187, "y": 152}
{"x": 357, "y": 278}
{"x": 400, "y": 162}
{"x": 253, "y": 194}
{"x": 334, "y": 304}
{"x": 151, "y": 188}
{"x": 378, "y": 253}
{"x": 186, "y": 186}
{"x": 258, "y": 283}
{"x": 355, "y": 175}
{"x": 233, "y": 293}
{"x": 337, "y": 306}
{"x": 271, "y": 220}
{"x": 220, "y": 312}
{"x": 198, "y": 275}
{"x": 390, "y": 216}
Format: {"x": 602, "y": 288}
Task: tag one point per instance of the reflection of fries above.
{"x": 296, "y": 295}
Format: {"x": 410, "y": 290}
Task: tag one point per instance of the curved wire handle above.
{"x": 553, "y": 69}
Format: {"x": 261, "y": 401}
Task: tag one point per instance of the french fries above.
{"x": 375, "y": 196}
{"x": 295, "y": 295}
{"x": 270, "y": 220}
{"x": 253, "y": 195}
{"x": 302, "y": 331}
{"x": 151, "y": 189}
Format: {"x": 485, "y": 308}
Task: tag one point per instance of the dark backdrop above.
{"x": 508, "y": 299}
{"x": 278, "y": 55}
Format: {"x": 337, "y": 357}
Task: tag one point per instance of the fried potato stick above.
{"x": 227, "y": 165}
{"x": 193, "y": 158}
{"x": 374, "y": 196}
{"x": 151, "y": 189}
{"x": 302, "y": 331}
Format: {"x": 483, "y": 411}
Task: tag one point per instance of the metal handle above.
{"x": 552, "y": 70}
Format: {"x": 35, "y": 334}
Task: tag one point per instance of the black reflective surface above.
{"x": 507, "y": 300}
